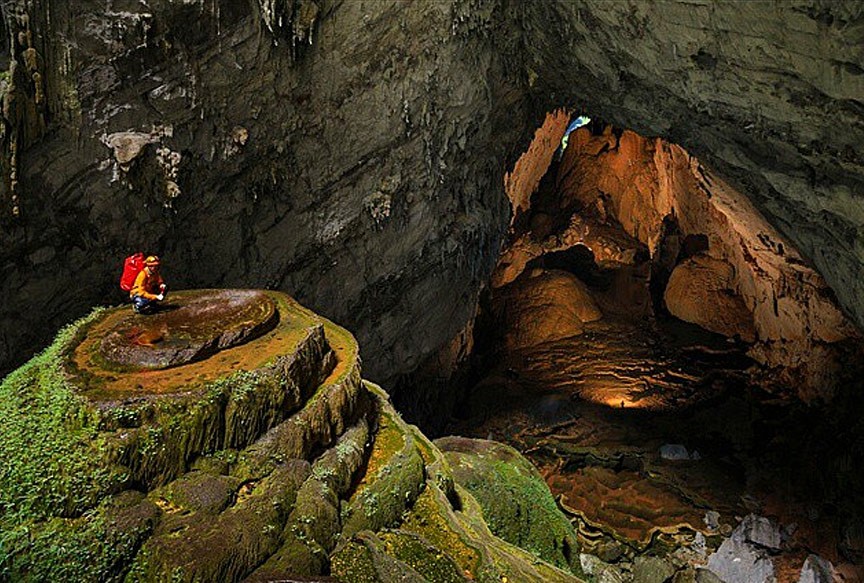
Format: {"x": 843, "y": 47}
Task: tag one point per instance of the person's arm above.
{"x": 140, "y": 289}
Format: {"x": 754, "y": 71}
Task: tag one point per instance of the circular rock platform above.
{"x": 188, "y": 328}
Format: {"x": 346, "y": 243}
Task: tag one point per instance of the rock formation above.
{"x": 714, "y": 260}
{"x": 267, "y": 459}
{"x": 354, "y": 154}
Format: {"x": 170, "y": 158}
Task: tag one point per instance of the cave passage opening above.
{"x": 652, "y": 344}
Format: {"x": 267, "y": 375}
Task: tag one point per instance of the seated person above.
{"x": 149, "y": 287}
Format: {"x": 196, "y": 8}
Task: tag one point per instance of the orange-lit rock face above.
{"x": 546, "y": 306}
{"x": 631, "y": 506}
{"x": 701, "y": 291}
{"x": 531, "y": 167}
{"x": 747, "y": 280}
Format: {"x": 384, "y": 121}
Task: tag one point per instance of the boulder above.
{"x": 817, "y": 570}
{"x": 651, "y": 570}
{"x": 741, "y": 560}
{"x": 699, "y": 291}
{"x": 761, "y": 531}
{"x": 544, "y": 306}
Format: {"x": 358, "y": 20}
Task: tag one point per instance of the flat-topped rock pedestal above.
{"x": 230, "y": 437}
{"x": 188, "y": 327}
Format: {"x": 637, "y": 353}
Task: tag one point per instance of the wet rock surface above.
{"x": 188, "y": 327}
{"x": 269, "y": 460}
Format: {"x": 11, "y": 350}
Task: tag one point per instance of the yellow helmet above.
{"x": 152, "y": 261}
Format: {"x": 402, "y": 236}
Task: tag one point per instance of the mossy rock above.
{"x": 516, "y": 502}
{"x": 265, "y": 460}
{"x": 445, "y": 522}
{"x": 102, "y": 431}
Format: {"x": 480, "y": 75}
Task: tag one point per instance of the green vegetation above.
{"x": 516, "y": 503}
{"x": 55, "y": 468}
{"x": 178, "y": 484}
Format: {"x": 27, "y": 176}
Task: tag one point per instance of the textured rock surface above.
{"x": 354, "y": 153}
{"x": 769, "y": 96}
{"x": 516, "y": 503}
{"x": 271, "y": 459}
{"x": 188, "y": 327}
{"x": 331, "y": 166}
{"x": 714, "y": 259}
{"x": 701, "y": 291}
{"x": 547, "y": 306}
{"x": 741, "y": 560}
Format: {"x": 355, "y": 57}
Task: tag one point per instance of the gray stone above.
{"x": 738, "y": 561}
{"x": 42, "y": 255}
{"x": 601, "y": 571}
{"x": 712, "y": 520}
{"x": 674, "y": 452}
{"x": 651, "y": 570}
{"x": 706, "y": 576}
{"x": 816, "y": 570}
{"x": 609, "y": 550}
{"x": 591, "y": 565}
{"x": 700, "y": 545}
{"x": 761, "y": 531}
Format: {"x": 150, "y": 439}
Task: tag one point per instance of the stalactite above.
{"x": 24, "y": 101}
{"x": 291, "y": 20}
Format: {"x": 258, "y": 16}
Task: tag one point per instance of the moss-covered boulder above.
{"x": 263, "y": 457}
{"x": 516, "y": 502}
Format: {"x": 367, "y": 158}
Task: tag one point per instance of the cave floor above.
{"x": 649, "y": 432}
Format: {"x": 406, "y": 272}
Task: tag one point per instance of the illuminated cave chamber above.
{"x": 669, "y": 242}
{"x": 641, "y": 303}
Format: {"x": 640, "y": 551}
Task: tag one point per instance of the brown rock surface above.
{"x": 546, "y": 306}
{"x": 668, "y": 201}
{"x": 188, "y": 327}
{"x": 700, "y": 291}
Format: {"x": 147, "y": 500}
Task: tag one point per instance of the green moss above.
{"x": 434, "y": 564}
{"x": 365, "y": 559}
{"x": 54, "y": 460}
{"x": 427, "y": 520}
{"x": 393, "y": 479}
{"x": 516, "y": 502}
{"x": 196, "y": 546}
{"x": 97, "y": 546}
{"x": 354, "y": 563}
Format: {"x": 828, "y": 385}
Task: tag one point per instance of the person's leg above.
{"x": 141, "y": 305}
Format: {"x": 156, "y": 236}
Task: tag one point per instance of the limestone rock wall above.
{"x": 324, "y": 156}
{"x": 769, "y": 95}
{"x": 735, "y": 273}
{"x": 353, "y": 153}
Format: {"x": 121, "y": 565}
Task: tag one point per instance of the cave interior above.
{"x": 642, "y": 340}
{"x": 660, "y": 307}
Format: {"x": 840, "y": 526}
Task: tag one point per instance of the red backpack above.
{"x": 132, "y": 266}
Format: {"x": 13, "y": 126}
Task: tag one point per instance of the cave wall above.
{"x": 769, "y": 95}
{"x": 746, "y": 279}
{"x": 353, "y": 153}
{"x": 319, "y": 149}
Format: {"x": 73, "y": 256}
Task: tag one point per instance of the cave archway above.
{"x": 644, "y": 311}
